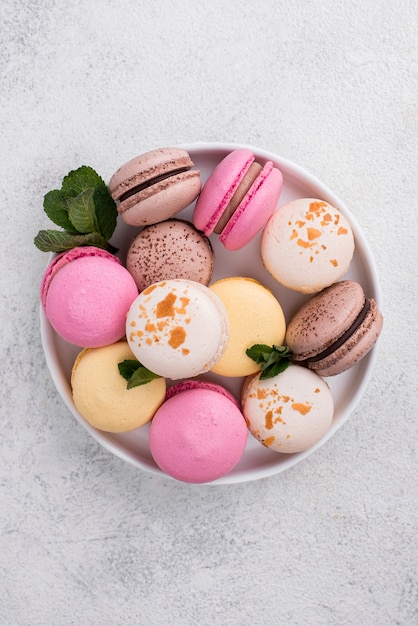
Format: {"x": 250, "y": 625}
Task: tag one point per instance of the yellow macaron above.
{"x": 255, "y": 316}
{"x": 100, "y": 392}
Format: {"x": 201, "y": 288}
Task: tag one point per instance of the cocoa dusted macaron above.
{"x": 334, "y": 329}
{"x": 171, "y": 249}
{"x": 155, "y": 186}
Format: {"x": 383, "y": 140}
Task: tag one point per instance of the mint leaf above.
{"x": 135, "y": 373}
{"x": 272, "y": 359}
{"x": 56, "y": 210}
{"x": 82, "y": 212}
{"x": 58, "y": 241}
{"x": 80, "y": 179}
{"x": 128, "y": 367}
{"x": 259, "y": 352}
{"x": 84, "y": 208}
{"x": 274, "y": 369}
{"x": 106, "y": 211}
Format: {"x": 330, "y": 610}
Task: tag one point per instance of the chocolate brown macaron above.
{"x": 170, "y": 249}
{"x": 334, "y": 329}
{"x": 154, "y": 186}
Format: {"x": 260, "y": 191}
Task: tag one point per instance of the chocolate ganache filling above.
{"x": 341, "y": 340}
{"x": 151, "y": 182}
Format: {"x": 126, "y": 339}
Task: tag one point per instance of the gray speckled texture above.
{"x": 86, "y": 539}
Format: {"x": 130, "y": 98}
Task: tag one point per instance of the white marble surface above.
{"x": 86, "y": 539}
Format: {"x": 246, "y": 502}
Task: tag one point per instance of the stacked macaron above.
{"x": 159, "y": 314}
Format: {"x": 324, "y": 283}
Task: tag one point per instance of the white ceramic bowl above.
{"x": 347, "y": 388}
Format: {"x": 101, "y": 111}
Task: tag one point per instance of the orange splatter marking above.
{"x": 300, "y": 223}
{"x": 313, "y": 233}
{"x": 334, "y": 262}
{"x": 262, "y": 394}
{"x": 301, "y": 408}
{"x": 149, "y": 289}
{"x": 269, "y": 420}
{"x": 310, "y": 259}
{"x": 294, "y": 234}
{"x": 185, "y": 351}
{"x": 342, "y": 231}
{"x": 304, "y": 244}
{"x": 150, "y": 327}
{"x": 337, "y": 219}
{"x": 281, "y": 420}
{"x": 149, "y": 341}
{"x": 317, "y": 390}
{"x": 177, "y": 337}
{"x": 268, "y": 442}
{"x": 165, "y": 308}
{"x": 133, "y": 323}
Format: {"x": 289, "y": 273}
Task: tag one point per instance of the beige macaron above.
{"x": 307, "y": 245}
{"x": 255, "y": 316}
{"x": 100, "y": 392}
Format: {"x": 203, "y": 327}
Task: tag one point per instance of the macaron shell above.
{"x": 289, "y": 412}
{"x": 198, "y": 436}
{"x": 88, "y": 299}
{"x": 255, "y": 209}
{"x": 170, "y": 249}
{"x": 255, "y": 316}
{"x": 62, "y": 259}
{"x": 355, "y": 348}
{"x": 100, "y": 394}
{"x": 307, "y": 244}
{"x": 324, "y": 318}
{"x": 187, "y": 385}
{"x": 167, "y": 328}
{"x": 146, "y": 167}
{"x": 219, "y": 189}
{"x": 162, "y": 200}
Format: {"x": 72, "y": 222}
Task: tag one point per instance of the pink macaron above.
{"x": 199, "y": 433}
{"x": 238, "y": 198}
{"x": 86, "y": 294}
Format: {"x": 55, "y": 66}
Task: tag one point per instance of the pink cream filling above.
{"x": 216, "y": 215}
{"x": 259, "y": 181}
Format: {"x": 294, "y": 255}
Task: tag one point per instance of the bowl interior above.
{"x": 347, "y": 388}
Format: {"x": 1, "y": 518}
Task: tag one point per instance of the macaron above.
{"x": 199, "y": 434}
{"x": 100, "y": 392}
{"x": 238, "y": 198}
{"x": 170, "y": 249}
{"x": 334, "y": 329}
{"x": 86, "y": 294}
{"x": 307, "y": 244}
{"x": 155, "y": 186}
{"x": 255, "y": 316}
{"x": 177, "y": 328}
{"x": 289, "y": 412}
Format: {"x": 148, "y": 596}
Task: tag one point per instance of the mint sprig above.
{"x": 84, "y": 208}
{"x": 135, "y": 373}
{"x": 272, "y": 359}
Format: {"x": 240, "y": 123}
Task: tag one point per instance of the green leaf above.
{"x": 106, "y": 211}
{"x": 135, "y": 373}
{"x": 128, "y": 367}
{"x": 58, "y": 241}
{"x": 84, "y": 208}
{"x": 82, "y": 212}
{"x": 272, "y": 359}
{"x": 274, "y": 369}
{"x": 259, "y": 352}
{"x": 80, "y": 179}
{"x": 56, "y": 210}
